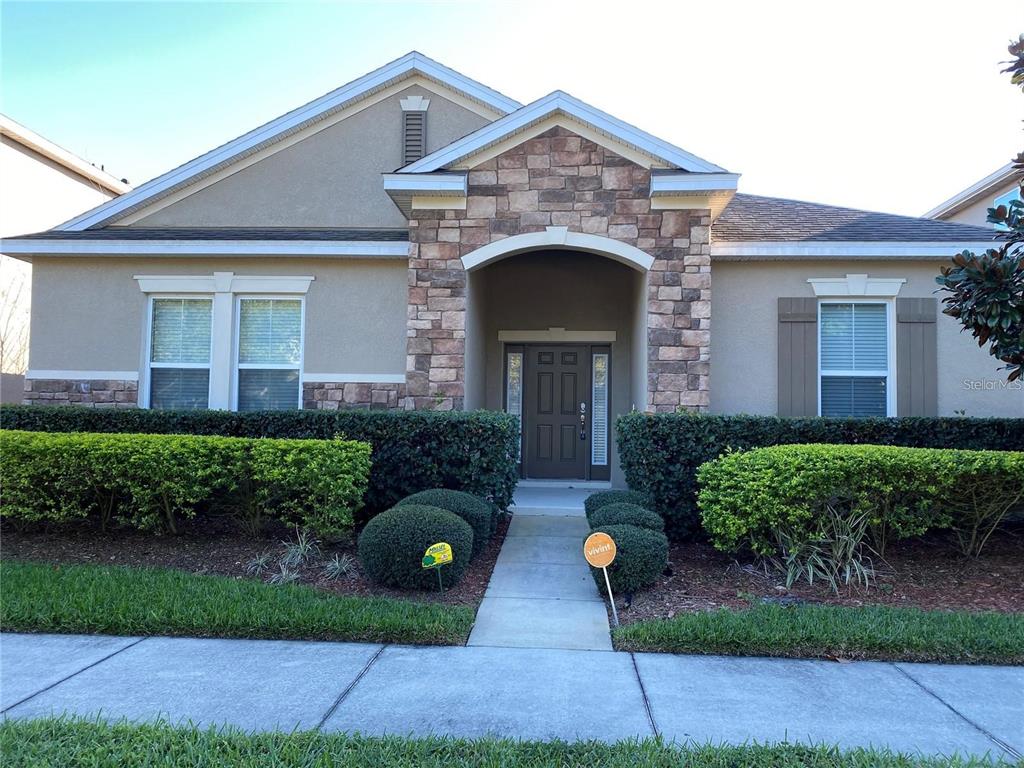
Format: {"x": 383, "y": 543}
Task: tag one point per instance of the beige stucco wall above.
{"x": 744, "y": 341}
{"x": 977, "y": 212}
{"x": 561, "y": 289}
{"x": 35, "y": 194}
{"x": 329, "y": 179}
{"x": 89, "y": 314}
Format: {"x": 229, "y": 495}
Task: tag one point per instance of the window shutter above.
{"x": 916, "y": 357}
{"x": 414, "y": 135}
{"x": 798, "y": 357}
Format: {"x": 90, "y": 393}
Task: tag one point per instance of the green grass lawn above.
{"x": 148, "y": 601}
{"x": 61, "y": 742}
{"x": 870, "y": 632}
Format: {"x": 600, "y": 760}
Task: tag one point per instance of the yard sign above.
{"x": 599, "y": 549}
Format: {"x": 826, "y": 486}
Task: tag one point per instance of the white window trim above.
{"x": 890, "y": 334}
{"x": 145, "y": 379}
{"x": 223, "y": 288}
{"x": 236, "y": 366}
{"x": 857, "y": 285}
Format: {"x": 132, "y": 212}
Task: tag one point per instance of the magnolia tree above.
{"x": 986, "y": 291}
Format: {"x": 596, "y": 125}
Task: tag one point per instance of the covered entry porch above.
{"x": 558, "y": 336}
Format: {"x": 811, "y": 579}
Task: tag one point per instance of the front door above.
{"x": 557, "y": 411}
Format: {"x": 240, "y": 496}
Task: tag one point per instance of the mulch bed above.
{"x": 929, "y": 574}
{"x": 225, "y": 552}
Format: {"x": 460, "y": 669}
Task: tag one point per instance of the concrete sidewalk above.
{"x": 515, "y": 692}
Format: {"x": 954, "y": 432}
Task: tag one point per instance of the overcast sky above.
{"x": 891, "y": 106}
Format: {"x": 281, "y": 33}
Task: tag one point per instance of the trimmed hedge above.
{"x": 412, "y": 450}
{"x": 154, "y": 482}
{"x": 595, "y": 501}
{"x": 474, "y": 511}
{"x": 660, "y": 453}
{"x": 640, "y": 557}
{"x": 627, "y": 514}
{"x": 761, "y": 497}
{"x": 392, "y": 544}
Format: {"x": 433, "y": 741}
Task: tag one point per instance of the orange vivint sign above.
{"x": 599, "y": 549}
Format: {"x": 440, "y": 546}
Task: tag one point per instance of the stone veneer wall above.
{"x": 336, "y": 396}
{"x": 561, "y": 179}
{"x": 99, "y": 393}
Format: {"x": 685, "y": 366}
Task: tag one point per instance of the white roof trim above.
{"x": 32, "y": 140}
{"x": 809, "y": 249}
{"x": 976, "y": 190}
{"x": 433, "y": 184}
{"x": 559, "y": 237}
{"x": 336, "y": 248}
{"x": 289, "y": 123}
{"x": 555, "y": 103}
{"x": 684, "y": 183}
{"x": 857, "y": 285}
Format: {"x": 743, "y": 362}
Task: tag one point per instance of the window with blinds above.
{"x": 269, "y": 353}
{"x": 599, "y": 411}
{"x": 179, "y": 353}
{"x": 854, "y": 359}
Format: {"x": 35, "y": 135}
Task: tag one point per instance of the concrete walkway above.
{"x": 541, "y": 593}
{"x": 521, "y": 693}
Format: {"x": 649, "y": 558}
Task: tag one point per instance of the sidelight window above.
{"x": 599, "y": 414}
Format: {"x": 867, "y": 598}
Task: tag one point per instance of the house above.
{"x": 971, "y": 205}
{"x": 415, "y": 239}
{"x": 43, "y": 185}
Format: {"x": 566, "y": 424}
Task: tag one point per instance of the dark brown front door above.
{"x": 557, "y": 383}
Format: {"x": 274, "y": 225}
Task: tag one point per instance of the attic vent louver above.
{"x": 414, "y": 128}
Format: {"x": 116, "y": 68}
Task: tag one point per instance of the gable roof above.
{"x": 68, "y": 160}
{"x": 776, "y": 219}
{"x": 292, "y": 122}
{"x": 983, "y": 188}
{"x": 554, "y": 104}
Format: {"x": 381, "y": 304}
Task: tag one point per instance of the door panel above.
{"x": 555, "y": 379}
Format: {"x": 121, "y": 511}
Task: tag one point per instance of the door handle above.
{"x": 583, "y": 421}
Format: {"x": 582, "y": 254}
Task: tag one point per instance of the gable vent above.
{"x": 414, "y": 128}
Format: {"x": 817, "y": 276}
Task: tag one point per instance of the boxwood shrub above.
{"x": 627, "y": 514}
{"x": 392, "y": 544}
{"x": 473, "y": 510}
{"x": 758, "y": 498}
{"x": 412, "y": 450}
{"x": 155, "y": 482}
{"x": 660, "y": 453}
{"x": 640, "y": 557}
{"x": 595, "y": 501}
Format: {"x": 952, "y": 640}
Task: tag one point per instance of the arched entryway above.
{"x": 556, "y": 333}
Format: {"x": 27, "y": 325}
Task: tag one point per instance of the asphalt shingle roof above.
{"x": 222, "y": 233}
{"x": 752, "y": 217}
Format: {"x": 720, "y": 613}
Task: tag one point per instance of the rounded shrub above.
{"x": 595, "y": 501}
{"x": 472, "y": 509}
{"x": 627, "y": 514}
{"x": 640, "y": 557}
{"x": 392, "y": 544}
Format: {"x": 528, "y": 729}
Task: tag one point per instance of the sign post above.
{"x": 599, "y": 549}
{"x": 437, "y": 555}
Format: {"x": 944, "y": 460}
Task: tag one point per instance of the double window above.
{"x": 201, "y": 357}
{"x": 855, "y": 358}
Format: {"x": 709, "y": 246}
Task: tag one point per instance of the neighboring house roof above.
{"x": 752, "y": 217}
{"x": 980, "y": 189}
{"x": 68, "y": 160}
{"x": 286, "y": 125}
{"x": 554, "y": 104}
{"x": 223, "y": 233}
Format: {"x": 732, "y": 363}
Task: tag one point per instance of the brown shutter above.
{"x": 798, "y": 357}
{"x": 916, "y": 357}
{"x": 414, "y": 136}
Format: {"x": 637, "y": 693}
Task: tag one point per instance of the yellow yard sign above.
{"x": 599, "y": 549}
{"x": 437, "y": 554}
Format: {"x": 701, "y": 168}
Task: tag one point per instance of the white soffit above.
{"x": 25, "y": 248}
{"x": 293, "y": 121}
{"x": 562, "y": 103}
{"x": 769, "y": 250}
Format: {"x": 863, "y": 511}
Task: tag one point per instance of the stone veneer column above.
{"x": 561, "y": 179}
